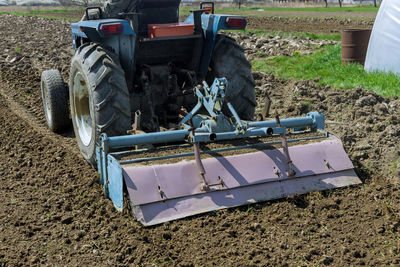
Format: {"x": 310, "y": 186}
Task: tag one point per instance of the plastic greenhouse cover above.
{"x": 384, "y": 45}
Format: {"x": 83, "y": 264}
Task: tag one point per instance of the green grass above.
{"x": 313, "y": 9}
{"x": 34, "y": 12}
{"x": 55, "y": 11}
{"x": 186, "y": 10}
{"x": 15, "y": 13}
{"x": 39, "y": 13}
{"x": 325, "y": 64}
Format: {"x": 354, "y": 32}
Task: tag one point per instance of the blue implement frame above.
{"x": 110, "y": 168}
{"x": 197, "y": 131}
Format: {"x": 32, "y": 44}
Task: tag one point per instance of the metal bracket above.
{"x": 103, "y": 164}
{"x": 290, "y": 170}
{"x": 133, "y": 18}
{"x": 212, "y": 100}
{"x": 204, "y": 186}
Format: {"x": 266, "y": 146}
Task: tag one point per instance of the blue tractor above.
{"x": 144, "y": 88}
{"x": 123, "y": 66}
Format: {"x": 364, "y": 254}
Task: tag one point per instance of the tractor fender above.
{"x": 90, "y": 31}
{"x": 211, "y": 24}
{"x": 122, "y": 44}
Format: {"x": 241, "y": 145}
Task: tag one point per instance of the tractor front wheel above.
{"x": 99, "y": 98}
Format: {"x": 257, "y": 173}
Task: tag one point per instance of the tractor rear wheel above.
{"x": 55, "y": 101}
{"x": 99, "y": 98}
{"x": 228, "y": 60}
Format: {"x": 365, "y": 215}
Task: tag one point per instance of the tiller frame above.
{"x": 164, "y": 192}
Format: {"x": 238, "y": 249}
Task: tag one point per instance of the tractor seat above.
{"x": 157, "y": 12}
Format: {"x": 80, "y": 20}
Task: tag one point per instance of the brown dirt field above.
{"x": 315, "y": 14}
{"x": 34, "y": 8}
{"x": 354, "y": 15}
{"x": 279, "y": 21}
{"x": 320, "y": 23}
{"x": 310, "y": 25}
{"x": 53, "y": 210}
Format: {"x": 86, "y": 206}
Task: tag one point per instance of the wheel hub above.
{"x": 46, "y": 101}
{"x": 82, "y": 107}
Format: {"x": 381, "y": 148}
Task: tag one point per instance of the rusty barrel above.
{"x": 354, "y": 45}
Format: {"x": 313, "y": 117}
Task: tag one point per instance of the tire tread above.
{"x": 110, "y": 93}
{"x": 229, "y": 61}
{"x": 57, "y": 102}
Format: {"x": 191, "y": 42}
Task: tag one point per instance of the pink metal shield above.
{"x": 160, "y": 193}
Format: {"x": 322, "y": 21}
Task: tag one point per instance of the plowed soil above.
{"x": 308, "y": 24}
{"x": 53, "y": 211}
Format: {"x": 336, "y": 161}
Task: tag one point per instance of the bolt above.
{"x": 160, "y": 192}
{"x": 277, "y": 172}
{"x": 291, "y": 172}
{"x": 327, "y": 164}
{"x": 204, "y": 187}
{"x": 221, "y": 182}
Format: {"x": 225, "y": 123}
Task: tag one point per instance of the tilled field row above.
{"x": 54, "y": 211}
{"x": 307, "y": 24}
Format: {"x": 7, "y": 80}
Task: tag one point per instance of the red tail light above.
{"x": 109, "y": 29}
{"x": 236, "y": 23}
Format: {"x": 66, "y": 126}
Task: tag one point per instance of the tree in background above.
{"x": 239, "y": 2}
{"x": 340, "y": 3}
{"x": 84, "y": 3}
